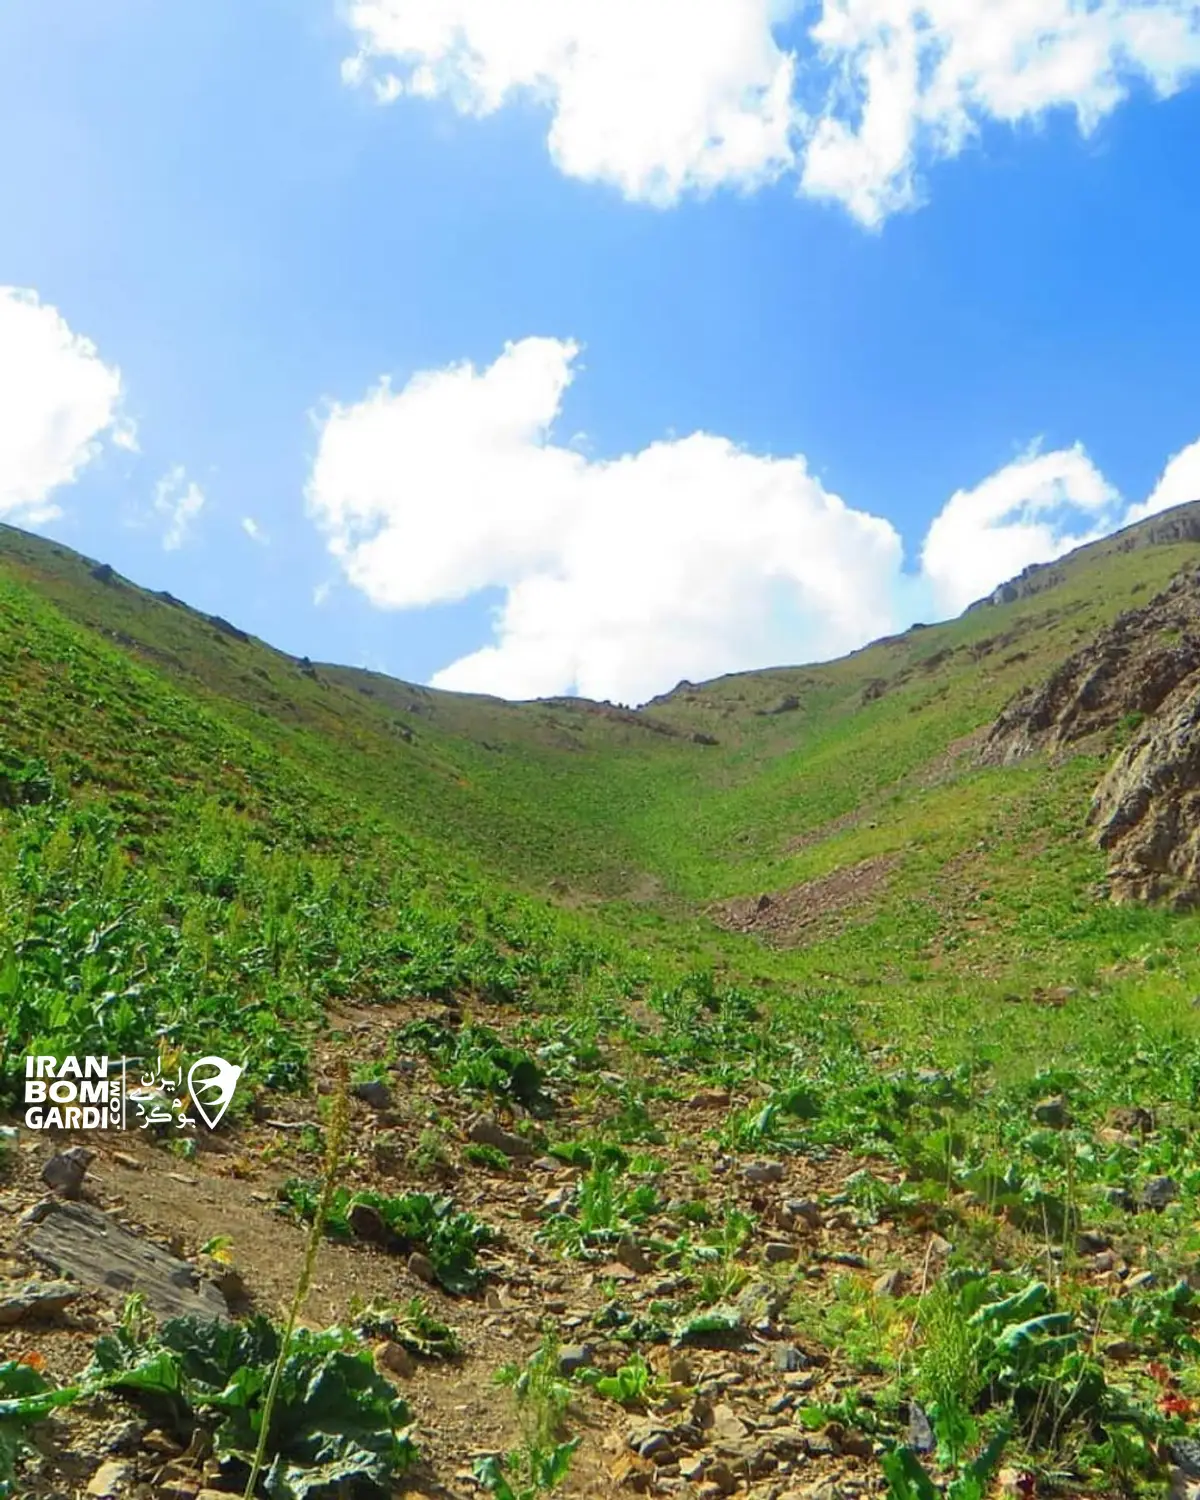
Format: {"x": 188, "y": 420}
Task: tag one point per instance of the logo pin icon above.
{"x": 212, "y": 1094}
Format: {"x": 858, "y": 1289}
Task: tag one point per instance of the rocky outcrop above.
{"x": 226, "y": 628}
{"x": 1146, "y": 811}
{"x": 1143, "y": 673}
{"x": 1034, "y": 579}
{"x": 1181, "y": 524}
{"x": 1129, "y": 669}
{"x": 788, "y": 704}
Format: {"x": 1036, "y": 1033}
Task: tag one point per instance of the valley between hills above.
{"x": 786, "y": 1089}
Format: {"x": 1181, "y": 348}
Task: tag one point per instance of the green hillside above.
{"x": 800, "y": 894}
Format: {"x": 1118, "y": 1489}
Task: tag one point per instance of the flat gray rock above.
{"x": 36, "y": 1299}
{"x": 79, "y": 1241}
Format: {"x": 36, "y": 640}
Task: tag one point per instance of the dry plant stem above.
{"x": 339, "y": 1123}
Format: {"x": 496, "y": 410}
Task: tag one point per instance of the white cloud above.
{"x": 915, "y": 79}
{"x": 125, "y": 435}
{"x": 687, "y": 558}
{"x": 58, "y": 402}
{"x": 459, "y": 456}
{"x": 1179, "y": 483}
{"x": 1032, "y": 510}
{"x": 178, "y": 501}
{"x": 658, "y": 99}
{"x": 254, "y": 531}
{"x": 680, "y": 96}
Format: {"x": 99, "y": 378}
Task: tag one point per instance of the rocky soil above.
{"x": 783, "y": 918}
{"x": 728, "y": 1418}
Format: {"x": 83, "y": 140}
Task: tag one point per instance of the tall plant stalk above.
{"x": 335, "y": 1145}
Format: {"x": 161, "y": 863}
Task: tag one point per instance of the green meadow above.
{"x": 205, "y": 841}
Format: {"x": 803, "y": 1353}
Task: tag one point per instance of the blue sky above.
{"x": 809, "y": 333}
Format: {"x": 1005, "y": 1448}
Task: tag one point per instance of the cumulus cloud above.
{"x": 687, "y": 558}
{"x": 1032, "y": 510}
{"x": 658, "y": 99}
{"x": 59, "y": 401}
{"x": 1179, "y": 483}
{"x": 687, "y": 95}
{"x": 914, "y": 80}
{"x": 254, "y": 531}
{"x": 177, "y": 502}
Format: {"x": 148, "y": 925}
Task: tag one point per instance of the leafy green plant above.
{"x": 332, "y": 1421}
{"x": 486, "y": 1156}
{"x": 714, "y": 1325}
{"x": 777, "y": 1123}
{"x": 589, "y": 1153}
{"x": 310, "y": 1405}
{"x": 26, "y": 1398}
{"x": 450, "y": 1237}
{"x": 1018, "y": 1365}
{"x": 714, "y": 1256}
{"x": 431, "y": 1155}
{"x": 475, "y": 1058}
{"x": 948, "y": 1375}
{"x": 860, "y": 1328}
{"x": 908, "y": 1480}
{"x": 339, "y": 1123}
{"x": 543, "y": 1460}
{"x": 633, "y": 1384}
{"x": 604, "y": 1206}
{"x": 413, "y": 1324}
{"x": 1164, "y": 1318}
{"x": 219, "y": 1248}
{"x": 24, "y": 782}
{"x": 527, "y": 1472}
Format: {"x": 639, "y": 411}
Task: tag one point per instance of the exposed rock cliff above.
{"x": 1146, "y": 811}
{"x": 1143, "y": 671}
{"x": 1130, "y": 668}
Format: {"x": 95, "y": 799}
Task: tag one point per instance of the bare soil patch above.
{"x": 783, "y": 918}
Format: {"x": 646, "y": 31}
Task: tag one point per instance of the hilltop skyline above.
{"x": 589, "y": 354}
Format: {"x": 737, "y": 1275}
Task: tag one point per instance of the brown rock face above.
{"x": 1132, "y": 667}
{"x": 1146, "y": 810}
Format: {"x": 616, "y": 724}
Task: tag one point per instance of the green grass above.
{"x": 200, "y": 836}
{"x": 204, "y": 840}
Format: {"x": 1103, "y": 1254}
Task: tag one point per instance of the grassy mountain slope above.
{"x": 798, "y": 891}
{"x": 871, "y": 759}
{"x": 506, "y": 780}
